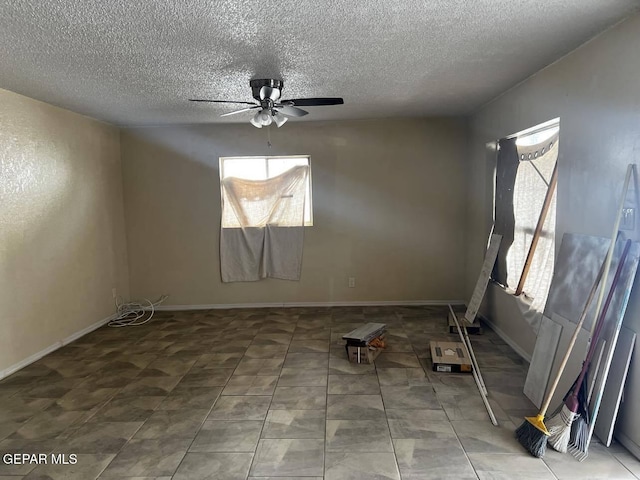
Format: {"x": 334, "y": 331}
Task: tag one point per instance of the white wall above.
{"x": 595, "y": 93}
{"x": 388, "y": 200}
{"x": 62, "y": 243}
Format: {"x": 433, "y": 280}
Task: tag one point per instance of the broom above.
{"x": 580, "y": 426}
{"x": 533, "y": 433}
{"x": 560, "y": 425}
{"x": 578, "y": 437}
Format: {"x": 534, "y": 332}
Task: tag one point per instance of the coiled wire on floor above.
{"x": 133, "y": 314}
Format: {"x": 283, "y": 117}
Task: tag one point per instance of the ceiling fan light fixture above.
{"x": 255, "y": 120}
{"x": 280, "y": 120}
{"x": 265, "y": 118}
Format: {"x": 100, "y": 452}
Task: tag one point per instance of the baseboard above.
{"x": 507, "y": 339}
{"x": 52, "y": 348}
{"x": 29, "y": 360}
{"x": 356, "y": 303}
{"x": 626, "y": 442}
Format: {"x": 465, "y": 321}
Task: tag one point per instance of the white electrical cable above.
{"x": 132, "y": 314}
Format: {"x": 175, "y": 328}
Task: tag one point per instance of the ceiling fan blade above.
{"x": 314, "y": 102}
{"x": 240, "y": 111}
{"x": 290, "y": 111}
{"x": 220, "y": 101}
{"x": 269, "y": 92}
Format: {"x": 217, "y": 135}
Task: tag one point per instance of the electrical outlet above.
{"x": 628, "y": 220}
{"x": 114, "y": 292}
{"x": 352, "y": 282}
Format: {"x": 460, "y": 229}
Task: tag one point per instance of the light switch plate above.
{"x": 628, "y": 220}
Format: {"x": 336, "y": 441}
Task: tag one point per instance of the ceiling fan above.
{"x": 270, "y": 108}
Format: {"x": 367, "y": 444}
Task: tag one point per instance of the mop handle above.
{"x": 572, "y": 342}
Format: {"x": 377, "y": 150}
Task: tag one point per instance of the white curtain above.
{"x": 534, "y": 173}
{"x": 262, "y": 228}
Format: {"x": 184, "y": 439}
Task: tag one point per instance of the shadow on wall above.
{"x": 380, "y": 197}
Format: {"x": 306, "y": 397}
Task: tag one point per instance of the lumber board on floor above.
{"x": 366, "y": 333}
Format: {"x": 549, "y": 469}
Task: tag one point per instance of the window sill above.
{"x": 523, "y": 300}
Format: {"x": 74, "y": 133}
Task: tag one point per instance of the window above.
{"x": 263, "y": 168}
{"x": 266, "y": 203}
{"x": 525, "y": 210}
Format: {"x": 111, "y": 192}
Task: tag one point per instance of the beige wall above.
{"x": 62, "y": 243}
{"x": 595, "y": 93}
{"x": 388, "y": 201}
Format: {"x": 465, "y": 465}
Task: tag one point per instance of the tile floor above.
{"x": 269, "y": 394}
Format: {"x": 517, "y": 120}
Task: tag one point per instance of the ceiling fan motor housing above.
{"x": 257, "y": 84}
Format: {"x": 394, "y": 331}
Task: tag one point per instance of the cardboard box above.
{"x": 361, "y": 355}
{"x": 359, "y": 346}
{"x": 449, "y": 357}
{"x": 472, "y": 328}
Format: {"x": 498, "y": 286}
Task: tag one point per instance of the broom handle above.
{"x": 572, "y": 342}
{"x": 538, "y": 231}
{"x": 595, "y": 371}
{"x": 605, "y": 308}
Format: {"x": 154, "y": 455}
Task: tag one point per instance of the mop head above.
{"x": 533, "y": 435}
{"x": 560, "y": 429}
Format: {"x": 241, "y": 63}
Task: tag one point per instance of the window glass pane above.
{"x": 307, "y": 204}
{"x": 537, "y": 137}
{"x": 281, "y": 165}
{"x": 249, "y": 168}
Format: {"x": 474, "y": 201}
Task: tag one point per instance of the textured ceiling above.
{"x": 137, "y": 62}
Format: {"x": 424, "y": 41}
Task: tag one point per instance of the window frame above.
{"x": 553, "y": 124}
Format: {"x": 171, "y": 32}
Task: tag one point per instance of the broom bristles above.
{"x": 532, "y": 437}
{"x": 560, "y": 429}
{"x": 579, "y": 436}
